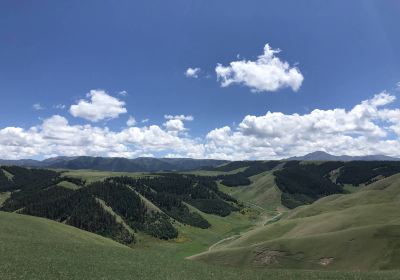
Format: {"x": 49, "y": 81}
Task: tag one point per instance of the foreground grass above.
{"x": 35, "y": 248}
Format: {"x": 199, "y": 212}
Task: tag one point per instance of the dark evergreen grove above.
{"x": 365, "y": 172}
{"x": 173, "y": 192}
{"x": 242, "y": 178}
{"x": 26, "y": 178}
{"x": 304, "y": 182}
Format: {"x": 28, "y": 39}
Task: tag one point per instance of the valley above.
{"x": 283, "y": 219}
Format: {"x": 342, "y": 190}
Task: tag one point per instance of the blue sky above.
{"x": 55, "y": 52}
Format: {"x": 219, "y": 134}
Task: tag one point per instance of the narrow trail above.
{"x": 235, "y": 236}
{"x": 261, "y": 223}
{"x": 238, "y": 235}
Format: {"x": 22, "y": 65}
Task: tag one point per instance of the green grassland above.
{"x": 213, "y": 173}
{"x": 358, "y": 231}
{"x": 94, "y": 175}
{"x": 36, "y": 248}
{"x": 91, "y": 176}
{"x": 68, "y": 185}
{"x": 192, "y": 240}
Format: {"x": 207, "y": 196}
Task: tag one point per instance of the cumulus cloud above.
{"x": 192, "y": 72}
{"x": 123, "y": 93}
{"x": 37, "y": 107}
{"x": 174, "y": 125}
{"x": 179, "y": 117}
{"x": 100, "y": 106}
{"x": 370, "y": 127}
{"x": 55, "y": 136}
{"x": 365, "y": 129}
{"x": 267, "y": 73}
{"x": 131, "y": 121}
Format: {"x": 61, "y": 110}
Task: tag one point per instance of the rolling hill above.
{"x": 37, "y": 248}
{"x": 116, "y": 206}
{"x": 358, "y": 231}
{"x": 238, "y": 214}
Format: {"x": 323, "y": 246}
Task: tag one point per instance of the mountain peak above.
{"x": 324, "y": 156}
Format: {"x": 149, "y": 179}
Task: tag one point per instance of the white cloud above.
{"x": 370, "y": 127}
{"x": 59, "y": 106}
{"x": 123, "y": 93}
{"x": 37, "y": 107}
{"x": 267, "y": 73}
{"x": 100, "y": 106}
{"x": 175, "y": 125}
{"x": 131, "y": 121}
{"x": 55, "y": 136}
{"x": 145, "y": 120}
{"x": 192, "y": 72}
{"x": 365, "y": 129}
{"x": 179, "y": 117}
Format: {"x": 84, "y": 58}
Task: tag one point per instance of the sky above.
{"x": 204, "y": 79}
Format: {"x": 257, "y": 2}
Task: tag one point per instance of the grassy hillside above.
{"x": 36, "y": 248}
{"x": 358, "y": 231}
{"x": 68, "y": 185}
{"x": 262, "y": 192}
{"x": 3, "y": 197}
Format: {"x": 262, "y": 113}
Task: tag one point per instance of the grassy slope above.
{"x": 68, "y": 185}
{"x": 36, "y": 248}
{"x": 8, "y": 174}
{"x": 263, "y": 192}
{"x": 213, "y": 173}
{"x": 3, "y": 197}
{"x": 355, "y": 231}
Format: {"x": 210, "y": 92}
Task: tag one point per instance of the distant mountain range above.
{"x": 323, "y": 156}
{"x": 142, "y": 164}
{"x": 148, "y": 164}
